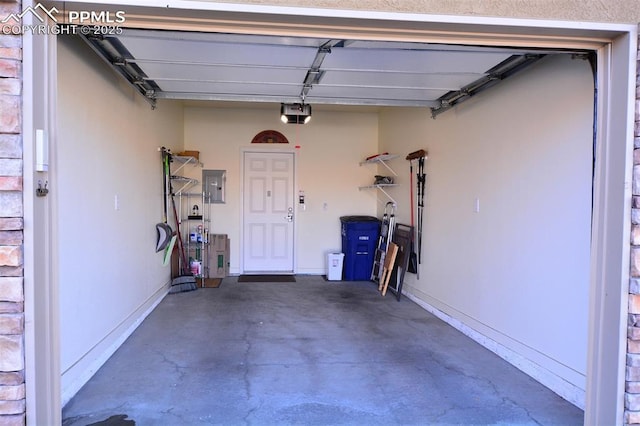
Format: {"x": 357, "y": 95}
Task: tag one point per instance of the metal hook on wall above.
{"x": 42, "y": 191}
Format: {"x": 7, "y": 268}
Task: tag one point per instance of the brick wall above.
{"x": 632, "y": 387}
{"x": 12, "y": 388}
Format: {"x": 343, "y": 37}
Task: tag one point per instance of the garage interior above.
{"x": 509, "y": 191}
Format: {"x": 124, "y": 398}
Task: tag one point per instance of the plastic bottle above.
{"x": 196, "y": 267}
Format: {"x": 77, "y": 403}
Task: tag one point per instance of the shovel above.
{"x": 164, "y": 232}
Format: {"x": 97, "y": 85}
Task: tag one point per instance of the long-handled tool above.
{"x": 163, "y": 230}
{"x": 420, "y": 199}
{"x": 415, "y": 259}
{"x": 183, "y": 256}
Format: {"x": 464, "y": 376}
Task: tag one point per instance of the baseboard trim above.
{"x": 103, "y": 354}
{"x": 555, "y": 383}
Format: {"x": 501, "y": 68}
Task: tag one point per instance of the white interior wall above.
{"x": 110, "y": 275}
{"x": 328, "y": 152}
{"x": 517, "y": 271}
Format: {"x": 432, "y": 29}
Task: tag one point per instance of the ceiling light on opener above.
{"x": 296, "y": 113}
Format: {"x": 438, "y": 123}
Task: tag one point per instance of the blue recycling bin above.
{"x": 359, "y": 241}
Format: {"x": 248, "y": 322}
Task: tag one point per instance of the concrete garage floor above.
{"x": 307, "y": 353}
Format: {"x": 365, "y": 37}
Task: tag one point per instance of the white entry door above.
{"x": 268, "y": 212}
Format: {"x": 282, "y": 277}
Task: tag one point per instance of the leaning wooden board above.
{"x": 389, "y": 263}
{"x": 402, "y": 237}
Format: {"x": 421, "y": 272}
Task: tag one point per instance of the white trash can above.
{"x": 334, "y": 266}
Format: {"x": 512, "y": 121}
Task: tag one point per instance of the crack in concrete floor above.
{"x": 303, "y": 353}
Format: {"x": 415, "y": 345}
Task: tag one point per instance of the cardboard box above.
{"x": 195, "y": 154}
{"x": 219, "y": 255}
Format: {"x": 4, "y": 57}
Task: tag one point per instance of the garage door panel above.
{"x": 213, "y": 73}
{"x": 378, "y": 94}
{"x": 450, "y": 81}
{"x": 231, "y": 89}
{"x": 190, "y": 51}
{"x": 411, "y": 60}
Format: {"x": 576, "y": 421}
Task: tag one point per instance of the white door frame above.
{"x": 616, "y": 48}
{"x": 41, "y": 309}
{"x": 611, "y": 232}
{"x": 270, "y": 150}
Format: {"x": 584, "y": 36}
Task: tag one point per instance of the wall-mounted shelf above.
{"x": 184, "y": 161}
{"x": 179, "y": 163}
{"x": 381, "y": 187}
{"x": 183, "y": 183}
{"x": 381, "y": 159}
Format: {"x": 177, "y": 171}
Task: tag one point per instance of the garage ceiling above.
{"x": 235, "y": 67}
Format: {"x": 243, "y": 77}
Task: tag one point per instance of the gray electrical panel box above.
{"x": 213, "y": 185}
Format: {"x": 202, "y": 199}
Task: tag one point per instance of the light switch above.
{"x": 42, "y": 151}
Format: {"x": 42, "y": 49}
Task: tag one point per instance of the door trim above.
{"x": 41, "y": 309}
{"x": 258, "y": 150}
{"x": 611, "y": 233}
